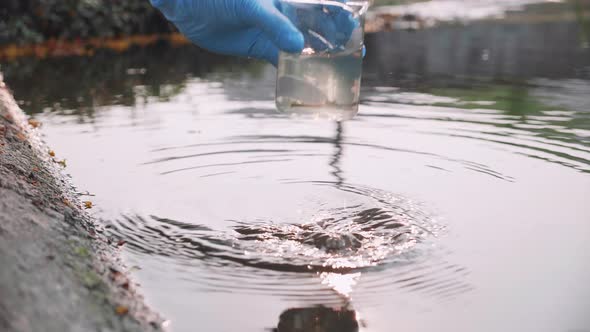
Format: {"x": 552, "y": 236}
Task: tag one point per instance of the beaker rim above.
{"x": 346, "y": 5}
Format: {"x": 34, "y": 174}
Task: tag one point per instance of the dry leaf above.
{"x": 121, "y": 310}
{"x": 88, "y": 204}
{"x": 34, "y": 123}
{"x": 21, "y": 137}
{"x": 51, "y": 153}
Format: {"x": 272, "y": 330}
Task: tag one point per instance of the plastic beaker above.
{"x": 324, "y": 79}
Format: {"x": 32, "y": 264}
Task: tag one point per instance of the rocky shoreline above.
{"x": 58, "y": 271}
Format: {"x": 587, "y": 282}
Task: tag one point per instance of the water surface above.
{"x": 457, "y": 200}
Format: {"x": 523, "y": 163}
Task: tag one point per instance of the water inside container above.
{"x": 324, "y": 80}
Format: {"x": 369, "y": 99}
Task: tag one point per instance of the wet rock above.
{"x": 50, "y": 277}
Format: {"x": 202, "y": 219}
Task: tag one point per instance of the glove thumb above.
{"x": 167, "y": 7}
{"x": 277, "y": 28}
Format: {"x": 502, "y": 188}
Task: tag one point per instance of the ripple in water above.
{"x": 336, "y": 240}
{"x": 381, "y": 236}
{"x": 377, "y": 228}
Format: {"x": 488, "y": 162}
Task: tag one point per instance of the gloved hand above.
{"x": 327, "y": 27}
{"x": 252, "y": 28}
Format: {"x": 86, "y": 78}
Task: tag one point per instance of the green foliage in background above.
{"x": 33, "y": 21}
{"x": 513, "y": 99}
{"x": 30, "y": 21}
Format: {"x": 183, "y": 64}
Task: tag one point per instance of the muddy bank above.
{"x": 58, "y": 272}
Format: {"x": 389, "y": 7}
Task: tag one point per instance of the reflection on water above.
{"x": 338, "y": 149}
{"x": 318, "y": 319}
{"x": 139, "y": 76}
{"x": 457, "y": 195}
{"x": 533, "y": 121}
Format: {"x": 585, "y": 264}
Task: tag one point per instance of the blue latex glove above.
{"x": 326, "y": 27}
{"x": 251, "y": 28}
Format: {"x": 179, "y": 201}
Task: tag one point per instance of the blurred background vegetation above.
{"x": 34, "y": 21}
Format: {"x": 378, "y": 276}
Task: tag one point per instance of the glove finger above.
{"x": 168, "y": 8}
{"x": 265, "y": 49}
{"x": 334, "y": 23}
{"x": 346, "y": 23}
{"x": 277, "y": 27}
{"x": 251, "y": 43}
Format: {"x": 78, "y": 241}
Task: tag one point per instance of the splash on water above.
{"x": 373, "y": 229}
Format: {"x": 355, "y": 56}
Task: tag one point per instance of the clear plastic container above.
{"x": 324, "y": 80}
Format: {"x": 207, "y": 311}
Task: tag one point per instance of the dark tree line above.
{"x": 30, "y": 21}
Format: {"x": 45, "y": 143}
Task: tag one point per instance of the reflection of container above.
{"x": 320, "y": 319}
{"x": 324, "y": 80}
